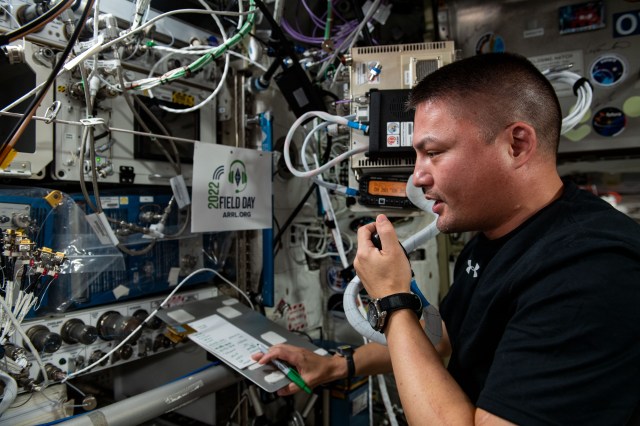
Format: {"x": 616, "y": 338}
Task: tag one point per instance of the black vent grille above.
{"x": 386, "y": 162}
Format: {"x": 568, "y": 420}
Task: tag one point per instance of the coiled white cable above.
{"x": 583, "y": 91}
{"x": 335, "y": 161}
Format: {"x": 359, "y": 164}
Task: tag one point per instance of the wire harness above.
{"x": 581, "y": 87}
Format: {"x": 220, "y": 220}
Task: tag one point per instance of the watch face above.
{"x": 372, "y": 316}
{"x": 345, "y": 350}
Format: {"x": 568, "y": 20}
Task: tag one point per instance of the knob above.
{"x": 154, "y": 323}
{"x": 76, "y": 363}
{"x": 114, "y": 326}
{"x": 124, "y": 353}
{"x": 188, "y": 262}
{"x": 95, "y": 356}
{"x": 17, "y": 354}
{"x": 21, "y": 220}
{"x": 44, "y": 340}
{"x": 28, "y": 384}
{"x": 161, "y": 342}
{"x": 54, "y": 373}
{"x": 76, "y": 331}
{"x": 89, "y": 403}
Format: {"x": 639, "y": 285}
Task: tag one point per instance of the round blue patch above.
{"x": 608, "y": 70}
{"x": 609, "y": 121}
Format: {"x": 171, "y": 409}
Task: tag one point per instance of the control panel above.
{"x": 384, "y": 191}
{"x": 124, "y": 156}
{"x": 69, "y": 343}
{"x": 57, "y": 32}
{"x": 125, "y": 153}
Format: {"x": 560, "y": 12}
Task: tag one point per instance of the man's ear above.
{"x": 523, "y": 142}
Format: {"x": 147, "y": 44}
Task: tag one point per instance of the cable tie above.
{"x": 579, "y": 83}
{"x": 92, "y": 122}
{"x": 52, "y": 112}
{"x": 187, "y": 71}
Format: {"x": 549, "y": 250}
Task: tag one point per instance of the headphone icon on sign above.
{"x": 238, "y": 175}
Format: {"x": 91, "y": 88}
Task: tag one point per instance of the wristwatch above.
{"x": 380, "y": 309}
{"x": 346, "y": 351}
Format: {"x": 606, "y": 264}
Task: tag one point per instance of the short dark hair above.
{"x": 503, "y": 88}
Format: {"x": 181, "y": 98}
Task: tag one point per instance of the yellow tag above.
{"x": 178, "y": 333}
{"x": 54, "y": 198}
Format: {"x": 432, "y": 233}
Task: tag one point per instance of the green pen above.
{"x": 292, "y": 374}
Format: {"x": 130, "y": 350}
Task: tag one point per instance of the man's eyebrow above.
{"x": 424, "y": 141}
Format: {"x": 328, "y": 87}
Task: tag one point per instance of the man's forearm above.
{"x": 372, "y": 358}
{"x": 428, "y": 393}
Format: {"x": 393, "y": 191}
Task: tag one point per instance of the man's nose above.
{"x": 422, "y": 178}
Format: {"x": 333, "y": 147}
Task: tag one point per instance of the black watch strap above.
{"x": 346, "y": 351}
{"x": 399, "y": 301}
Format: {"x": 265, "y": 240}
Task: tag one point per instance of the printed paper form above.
{"x": 225, "y": 340}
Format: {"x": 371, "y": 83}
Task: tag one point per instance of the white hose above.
{"x": 430, "y": 313}
{"x": 10, "y": 391}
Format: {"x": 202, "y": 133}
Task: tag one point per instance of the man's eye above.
{"x": 432, "y": 154}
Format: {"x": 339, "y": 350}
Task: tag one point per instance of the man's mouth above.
{"x": 436, "y": 204}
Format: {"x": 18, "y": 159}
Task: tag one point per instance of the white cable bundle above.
{"x": 315, "y": 172}
{"x": 19, "y": 306}
{"x": 583, "y": 91}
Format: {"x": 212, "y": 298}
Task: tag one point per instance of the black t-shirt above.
{"x": 545, "y": 322}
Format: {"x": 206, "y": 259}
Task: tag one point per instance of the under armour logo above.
{"x": 473, "y": 268}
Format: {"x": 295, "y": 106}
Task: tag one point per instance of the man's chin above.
{"x": 444, "y": 227}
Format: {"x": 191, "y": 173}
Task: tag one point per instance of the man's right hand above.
{"x": 315, "y": 369}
